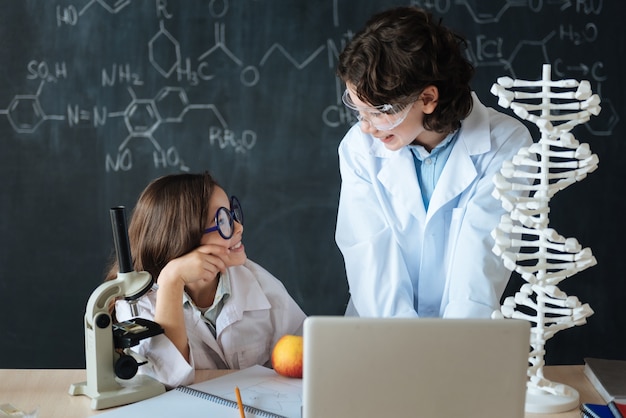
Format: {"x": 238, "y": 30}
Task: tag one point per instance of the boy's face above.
{"x": 410, "y": 131}
{"x": 237, "y": 255}
{"x": 404, "y": 134}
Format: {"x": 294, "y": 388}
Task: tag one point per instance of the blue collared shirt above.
{"x": 429, "y": 165}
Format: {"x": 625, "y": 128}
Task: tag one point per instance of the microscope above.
{"x": 112, "y": 366}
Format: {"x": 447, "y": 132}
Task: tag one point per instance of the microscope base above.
{"x": 136, "y": 389}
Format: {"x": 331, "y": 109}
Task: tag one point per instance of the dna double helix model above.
{"x": 523, "y": 238}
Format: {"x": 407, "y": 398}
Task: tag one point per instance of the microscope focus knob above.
{"x": 126, "y": 367}
{"x": 103, "y": 320}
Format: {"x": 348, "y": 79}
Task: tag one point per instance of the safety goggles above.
{"x": 383, "y": 118}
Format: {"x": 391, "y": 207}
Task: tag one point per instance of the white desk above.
{"x": 47, "y": 390}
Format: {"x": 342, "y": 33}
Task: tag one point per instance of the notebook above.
{"x": 377, "y": 367}
{"x": 594, "y": 410}
{"x": 264, "y": 393}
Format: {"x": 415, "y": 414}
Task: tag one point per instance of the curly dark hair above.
{"x": 400, "y": 52}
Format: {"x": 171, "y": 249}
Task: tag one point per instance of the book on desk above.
{"x": 608, "y": 377}
{"x": 610, "y": 410}
{"x": 264, "y": 394}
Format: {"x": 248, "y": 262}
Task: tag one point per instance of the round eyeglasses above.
{"x": 224, "y": 219}
{"x": 383, "y": 118}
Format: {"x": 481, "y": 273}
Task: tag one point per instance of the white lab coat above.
{"x": 258, "y": 312}
{"x": 404, "y": 261}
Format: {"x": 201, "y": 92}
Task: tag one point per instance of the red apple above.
{"x": 287, "y": 356}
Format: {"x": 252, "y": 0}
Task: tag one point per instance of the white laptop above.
{"x": 379, "y": 368}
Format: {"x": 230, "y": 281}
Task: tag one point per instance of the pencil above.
{"x": 242, "y": 413}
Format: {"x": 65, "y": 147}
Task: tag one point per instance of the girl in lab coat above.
{"x": 416, "y": 210}
{"x": 219, "y": 310}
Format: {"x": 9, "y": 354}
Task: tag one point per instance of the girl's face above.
{"x": 237, "y": 255}
{"x": 411, "y": 130}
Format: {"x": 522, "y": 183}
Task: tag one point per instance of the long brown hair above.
{"x": 168, "y": 221}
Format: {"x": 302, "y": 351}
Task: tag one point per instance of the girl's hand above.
{"x": 203, "y": 263}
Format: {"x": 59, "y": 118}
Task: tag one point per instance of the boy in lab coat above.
{"x": 416, "y": 210}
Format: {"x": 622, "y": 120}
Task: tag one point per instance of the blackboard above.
{"x": 97, "y": 98}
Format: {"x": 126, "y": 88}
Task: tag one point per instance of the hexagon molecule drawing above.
{"x": 524, "y": 240}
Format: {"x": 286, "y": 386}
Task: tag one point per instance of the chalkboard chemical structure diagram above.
{"x": 487, "y": 51}
{"x": 142, "y": 116}
{"x": 145, "y": 114}
{"x": 25, "y": 113}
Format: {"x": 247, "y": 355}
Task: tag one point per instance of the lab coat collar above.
{"x": 459, "y": 172}
{"x": 246, "y": 295}
{"x": 399, "y": 177}
{"x": 477, "y": 137}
